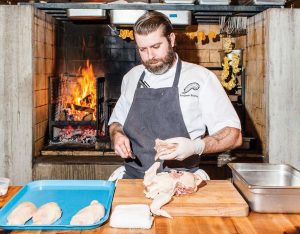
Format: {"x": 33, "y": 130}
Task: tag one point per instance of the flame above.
{"x": 83, "y": 95}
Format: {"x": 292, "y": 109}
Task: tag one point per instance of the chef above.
{"x": 172, "y": 100}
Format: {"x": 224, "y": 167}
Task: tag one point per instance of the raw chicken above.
{"x": 162, "y": 186}
{"x": 21, "y": 214}
{"x": 89, "y": 214}
{"x": 47, "y": 214}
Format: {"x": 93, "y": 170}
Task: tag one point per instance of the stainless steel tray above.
{"x": 262, "y": 2}
{"x": 214, "y": 2}
{"x": 86, "y": 14}
{"x": 268, "y": 188}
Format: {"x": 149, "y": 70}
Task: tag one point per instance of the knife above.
{"x": 133, "y": 156}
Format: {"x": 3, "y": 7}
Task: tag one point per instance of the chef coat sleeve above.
{"x": 218, "y": 111}
{"x": 121, "y": 109}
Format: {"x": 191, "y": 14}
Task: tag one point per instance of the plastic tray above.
{"x": 70, "y": 195}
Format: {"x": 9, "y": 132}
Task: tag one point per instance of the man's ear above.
{"x": 172, "y": 38}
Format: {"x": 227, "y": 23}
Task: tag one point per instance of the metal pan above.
{"x": 86, "y": 14}
{"x": 268, "y": 188}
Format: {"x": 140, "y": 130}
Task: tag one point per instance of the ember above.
{"x": 83, "y": 135}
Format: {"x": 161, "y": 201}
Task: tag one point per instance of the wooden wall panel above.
{"x": 282, "y": 74}
{"x": 16, "y": 93}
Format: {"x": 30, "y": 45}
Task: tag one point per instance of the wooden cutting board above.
{"x": 216, "y": 198}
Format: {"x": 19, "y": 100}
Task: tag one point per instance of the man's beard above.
{"x": 161, "y": 65}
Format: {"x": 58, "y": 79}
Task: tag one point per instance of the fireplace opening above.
{"x": 76, "y": 113}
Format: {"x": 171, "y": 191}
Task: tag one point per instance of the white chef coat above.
{"x": 203, "y": 101}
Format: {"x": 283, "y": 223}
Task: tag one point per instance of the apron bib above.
{"x": 155, "y": 113}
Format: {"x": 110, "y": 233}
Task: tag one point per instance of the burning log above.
{"x": 62, "y": 116}
{"x": 66, "y": 115}
{"x": 88, "y": 117}
{"x": 80, "y": 108}
{"x": 87, "y": 99}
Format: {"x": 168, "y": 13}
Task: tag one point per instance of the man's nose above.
{"x": 150, "y": 54}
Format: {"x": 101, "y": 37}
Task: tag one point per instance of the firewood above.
{"x": 87, "y": 99}
{"x": 62, "y": 116}
{"x": 88, "y": 117}
{"x": 80, "y": 108}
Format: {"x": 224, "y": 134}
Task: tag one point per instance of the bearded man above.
{"x": 171, "y": 100}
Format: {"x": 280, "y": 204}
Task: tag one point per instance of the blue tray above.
{"x": 70, "y": 195}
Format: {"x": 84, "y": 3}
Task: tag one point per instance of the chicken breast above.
{"x": 21, "y": 214}
{"x": 89, "y": 215}
{"x": 47, "y": 214}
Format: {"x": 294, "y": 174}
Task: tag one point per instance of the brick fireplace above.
{"x": 34, "y": 46}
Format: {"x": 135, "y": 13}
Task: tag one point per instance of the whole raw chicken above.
{"x": 47, "y": 214}
{"x": 89, "y": 215}
{"x": 21, "y": 214}
{"x": 162, "y": 186}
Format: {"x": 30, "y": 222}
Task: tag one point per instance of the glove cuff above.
{"x": 199, "y": 146}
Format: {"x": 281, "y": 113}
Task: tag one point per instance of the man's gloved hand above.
{"x": 184, "y": 148}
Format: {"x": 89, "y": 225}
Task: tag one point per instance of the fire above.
{"x": 82, "y": 101}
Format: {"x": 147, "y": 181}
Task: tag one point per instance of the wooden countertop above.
{"x": 254, "y": 223}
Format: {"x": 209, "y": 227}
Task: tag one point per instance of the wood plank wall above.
{"x": 16, "y": 93}
{"x": 273, "y": 87}
{"x": 283, "y": 85}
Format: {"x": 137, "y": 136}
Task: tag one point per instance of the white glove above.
{"x": 202, "y": 174}
{"x": 184, "y": 148}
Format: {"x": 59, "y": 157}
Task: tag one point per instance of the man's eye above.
{"x": 142, "y": 49}
{"x": 156, "y": 46}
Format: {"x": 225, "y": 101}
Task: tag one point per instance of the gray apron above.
{"x": 155, "y": 113}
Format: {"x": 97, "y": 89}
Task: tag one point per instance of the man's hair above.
{"x": 151, "y": 21}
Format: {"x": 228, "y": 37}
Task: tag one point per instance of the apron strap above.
{"x": 138, "y": 85}
{"x": 177, "y": 73}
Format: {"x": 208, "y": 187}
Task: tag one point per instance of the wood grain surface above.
{"x": 12, "y": 190}
{"x": 254, "y": 223}
{"x": 216, "y": 198}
